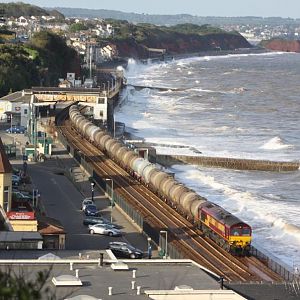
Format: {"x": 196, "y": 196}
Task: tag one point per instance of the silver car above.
{"x": 104, "y": 229}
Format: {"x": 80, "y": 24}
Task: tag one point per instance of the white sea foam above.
{"x": 215, "y": 121}
{"x": 275, "y": 143}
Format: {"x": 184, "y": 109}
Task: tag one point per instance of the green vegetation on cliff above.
{"x": 17, "y": 70}
{"x": 21, "y": 9}
{"x": 143, "y": 31}
{"x": 18, "y": 9}
{"x": 135, "y": 40}
{"x": 45, "y": 59}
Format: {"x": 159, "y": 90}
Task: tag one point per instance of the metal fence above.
{"x": 274, "y": 264}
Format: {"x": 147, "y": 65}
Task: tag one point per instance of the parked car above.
{"x": 86, "y": 202}
{"x": 16, "y": 180}
{"x": 16, "y": 171}
{"x": 16, "y": 129}
{"x": 20, "y": 196}
{"x": 91, "y": 210}
{"x": 125, "y": 250}
{"x": 105, "y": 229}
{"x": 89, "y": 220}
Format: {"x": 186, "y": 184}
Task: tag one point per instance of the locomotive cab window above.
{"x": 235, "y": 231}
{"x": 203, "y": 216}
{"x": 246, "y": 231}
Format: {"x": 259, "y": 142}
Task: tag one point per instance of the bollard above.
{"x": 101, "y": 259}
{"x": 71, "y": 266}
{"x": 77, "y": 273}
{"x": 138, "y": 290}
{"x": 132, "y": 285}
{"x": 221, "y": 283}
{"x": 109, "y": 290}
{"x": 134, "y": 274}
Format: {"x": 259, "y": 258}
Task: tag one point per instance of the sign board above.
{"x": 66, "y": 97}
{"x": 18, "y": 215}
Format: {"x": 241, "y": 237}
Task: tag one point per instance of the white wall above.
{"x": 101, "y": 107}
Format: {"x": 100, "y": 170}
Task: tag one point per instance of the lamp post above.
{"x": 114, "y": 125}
{"x": 11, "y": 122}
{"x": 92, "y": 188}
{"x": 166, "y": 242}
{"x": 112, "y": 197}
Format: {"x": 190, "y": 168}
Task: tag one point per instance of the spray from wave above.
{"x": 276, "y": 143}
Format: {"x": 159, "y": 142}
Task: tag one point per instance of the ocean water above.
{"x": 242, "y": 106}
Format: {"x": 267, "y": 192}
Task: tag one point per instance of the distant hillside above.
{"x": 172, "y": 19}
{"x": 136, "y": 40}
{"x": 19, "y": 9}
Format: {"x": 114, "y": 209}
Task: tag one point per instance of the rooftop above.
{"x": 17, "y": 97}
{"x": 158, "y": 279}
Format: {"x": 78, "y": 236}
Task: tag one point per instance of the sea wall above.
{"x": 229, "y": 163}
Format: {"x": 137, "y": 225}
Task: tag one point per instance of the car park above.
{"x": 91, "y": 210}
{"x": 86, "y": 202}
{"x": 16, "y": 129}
{"x": 125, "y": 250}
{"x": 104, "y": 229}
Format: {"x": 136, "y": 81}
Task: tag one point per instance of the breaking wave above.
{"x": 275, "y": 143}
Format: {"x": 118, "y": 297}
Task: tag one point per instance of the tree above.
{"x": 18, "y": 70}
{"x": 54, "y": 56}
{"x": 78, "y": 27}
{"x": 18, "y": 286}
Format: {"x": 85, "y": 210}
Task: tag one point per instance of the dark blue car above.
{"x": 91, "y": 210}
{"x": 16, "y": 129}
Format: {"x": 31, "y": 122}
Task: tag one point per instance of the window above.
{"x": 246, "y": 231}
{"x": 25, "y": 111}
{"x": 235, "y": 232}
{"x": 100, "y": 100}
{"x": 101, "y": 113}
{"x": 5, "y": 198}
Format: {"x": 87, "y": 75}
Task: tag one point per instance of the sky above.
{"x": 227, "y": 8}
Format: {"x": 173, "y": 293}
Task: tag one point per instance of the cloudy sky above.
{"x": 263, "y": 8}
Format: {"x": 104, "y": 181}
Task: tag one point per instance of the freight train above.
{"x": 221, "y": 226}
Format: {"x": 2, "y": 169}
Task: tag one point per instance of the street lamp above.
{"x": 166, "y": 242}
{"x": 92, "y": 187}
{"x": 112, "y": 197}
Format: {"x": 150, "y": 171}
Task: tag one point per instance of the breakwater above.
{"x": 229, "y": 163}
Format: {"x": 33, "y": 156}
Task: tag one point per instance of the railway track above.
{"x": 184, "y": 236}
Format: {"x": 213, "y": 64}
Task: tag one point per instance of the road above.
{"x": 62, "y": 201}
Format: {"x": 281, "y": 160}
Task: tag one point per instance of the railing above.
{"x": 274, "y": 264}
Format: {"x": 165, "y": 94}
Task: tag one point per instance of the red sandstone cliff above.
{"x": 181, "y": 43}
{"x": 282, "y": 45}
